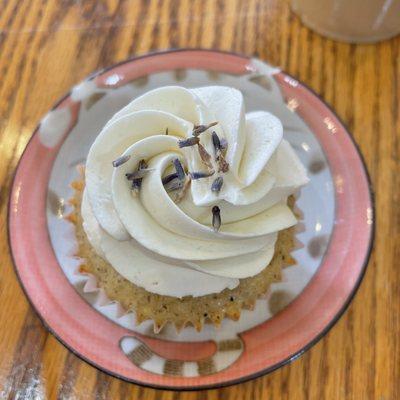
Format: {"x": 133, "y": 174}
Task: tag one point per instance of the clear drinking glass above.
{"x": 354, "y": 21}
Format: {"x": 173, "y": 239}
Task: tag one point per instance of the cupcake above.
{"x": 184, "y": 209}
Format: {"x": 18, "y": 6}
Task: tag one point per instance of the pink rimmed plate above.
{"x": 337, "y": 230}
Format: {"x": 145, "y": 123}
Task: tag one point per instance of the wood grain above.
{"x": 47, "y": 46}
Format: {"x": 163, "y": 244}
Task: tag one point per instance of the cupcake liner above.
{"x": 97, "y": 298}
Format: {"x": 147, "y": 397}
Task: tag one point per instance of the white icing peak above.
{"x": 171, "y": 248}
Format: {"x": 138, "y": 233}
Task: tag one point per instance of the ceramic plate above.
{"x": 336, "y": 231}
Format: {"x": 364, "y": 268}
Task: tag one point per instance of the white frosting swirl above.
{"x": 171, "y": 248}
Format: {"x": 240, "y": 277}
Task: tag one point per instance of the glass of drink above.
{"x": 354, "y": 21}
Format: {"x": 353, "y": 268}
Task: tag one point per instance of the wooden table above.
{"x": 47, "y": 46}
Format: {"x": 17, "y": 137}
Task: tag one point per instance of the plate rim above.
{"x": 264, "y": 371}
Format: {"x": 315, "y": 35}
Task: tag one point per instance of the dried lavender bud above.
{"x": 220, "y": 146}
{"x": 223, "y": 166}
{"x": 192, "y": 141}
{"x": 216, "y": 218}
{"x": 183, "y": 191}
{"x": 205, "y": 156}
{"x": 216, "y": 142}
{"x": 174, "y": 184}
{"x": 139, "y": 174}
{"x": 223, "y": 144}
{"x": 120, "y": 160}
{"x": 136, "y": 184}
{"x": 142, "y": 164}
{"x": 198, "y": 129}
{"x": 200, "y": 175}
{"x": 217, "y": 184}
{"x": 179, "y": 169}
{"x": 169, "y": 178}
